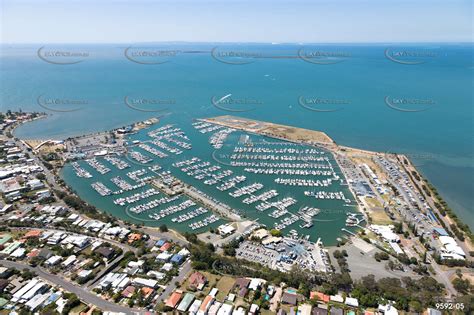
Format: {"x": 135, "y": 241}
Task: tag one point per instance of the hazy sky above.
{"x": 120, "y": 21}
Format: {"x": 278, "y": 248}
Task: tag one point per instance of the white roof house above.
{"x": 84, "y": 273}
{"x": 352, "y": 302}
{"x": 225, "y": 229}
{"x": 95, "y": 225}
{"x": 37, "y": 300}
{"x": 396, "y": 248}
{"x": 387, "y": 309}
{"x": 18, "y": 294}
{"x": 337, "y": 298}
{"x": 254, "y": 308}
{"x": 239, "y": 311}
{"x": 184, "y": 252}
{"x": 194, "y": 308}
{"x": 56, "y": 238}
{"x": 450, "y": 249}
{"x": 156, "y": 274}
{"x": 138, "y": 263}
{"x": 164, "y": 256}
{"x": 53, "y": 260}
{"x": 213, "y": 292}
{"x": 113, "y": 230}
{"x": 33, "y": 291}
{"x": 96, "y": 244}
{"x": 18, "y": 253}
{"x": 167, "y": 267}
{"x": 73, "y": 217}
{"x": 255, "y": 283}
{"x": 69, "y": 261}
{"x": 112, "y": 280}
{"x": 35, "y": 184}
{"x": 145, "y": 282}
{"x": 214, "y": 308}
{"x": 226, "y": 309}
{"x": 77, "y": 240}
{"x": 124, "y": 283}
{"x": 386, "y": 232}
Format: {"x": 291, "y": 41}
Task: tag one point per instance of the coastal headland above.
{"x": 288, "y": 133}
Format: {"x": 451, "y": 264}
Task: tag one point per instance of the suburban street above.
{"x": 82, "y": 293}
{"x": 183, "y": 273}
{"x": 444, "y": 277}
{"x": 108, "y": 268}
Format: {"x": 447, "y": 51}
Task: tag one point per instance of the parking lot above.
{"x": 257, "y": 253}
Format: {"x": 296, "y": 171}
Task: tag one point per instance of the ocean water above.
{"x": 412, "y": 99}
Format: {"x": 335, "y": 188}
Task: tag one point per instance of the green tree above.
{"x": 462, "y": 285}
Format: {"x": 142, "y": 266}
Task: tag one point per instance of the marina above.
{"x": 190, "y": 215}
{"x": 136, "y": 175}
{"x": 170, "y": 173}
{"x": 140, "y": 158}
{"x": 101, "y": 189}
{"x": 123, "y": 185}
{"x": 120, "y": 164}
{"x": 303, "y": 182}
{"x": 99, "y": 167}
{"x": 152, "y": 205}
{"x": 203, "y": 223}
{"x": 218, "y": 138}
{"x": 152, "y": 150}
{"x": 354, "y": 219}
{"x": 136, "y": 197}
{"x": 172, "y": 209}
{"x": 80, "y": 172}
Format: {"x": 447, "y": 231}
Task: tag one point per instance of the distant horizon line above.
{"x": 238, "y": 42}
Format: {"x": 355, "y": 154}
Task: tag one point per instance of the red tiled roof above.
{"x": 197, "y": 278}
{"x": 33, "y": 253}
{"x": 34, "y": 233}
{"x": 147, "y": 291}
{"x": 165, "y": 247}
{"x": 134, "y": 237}
{"x": 128, "y": 292}
{"x": 204, "y": 306}
{"x": 320, "y": 296}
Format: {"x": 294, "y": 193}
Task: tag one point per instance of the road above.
{"x": 108, "y": 268}
{"x": 83, "y": 294}
{"x": 431, "y": 202}
{"x": 444, "y": 277}
{"x": 49, "y": 175}
{"x": 183, "y": 273}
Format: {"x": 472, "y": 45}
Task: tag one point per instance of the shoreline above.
{"x": 333, "y": 147}
{"x": 86, "y": 134}
{"x": 20, "y": 123}
{"x": 321, "y": 139}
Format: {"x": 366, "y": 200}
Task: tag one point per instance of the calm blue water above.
{"x": 439, "y": 138}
